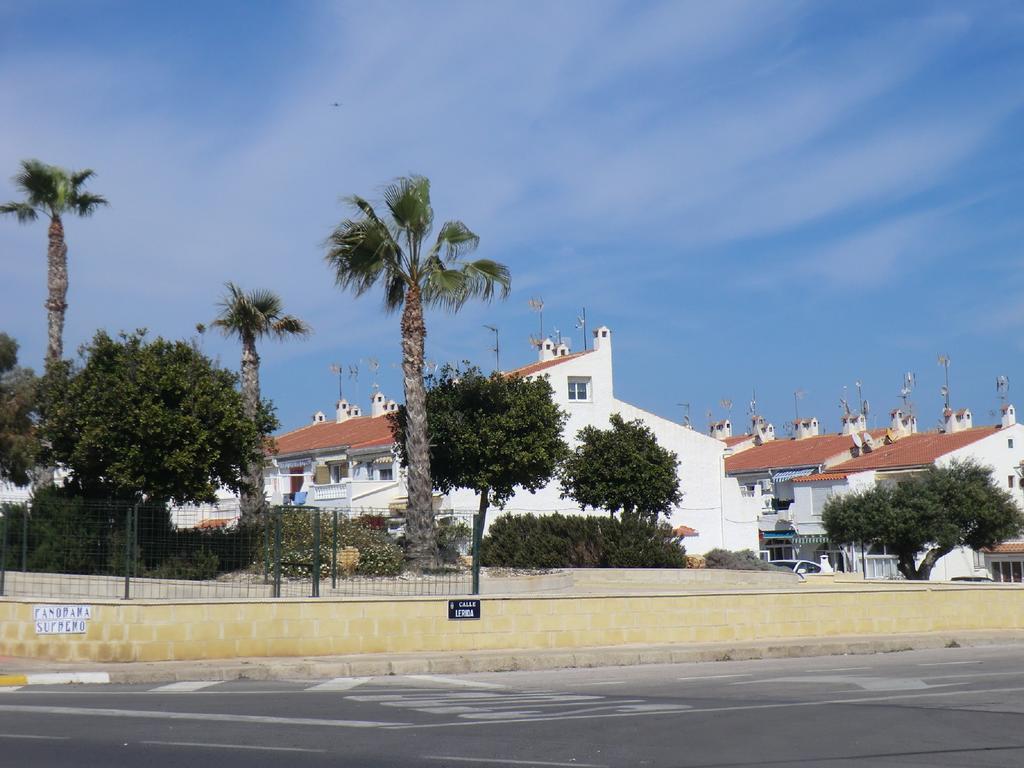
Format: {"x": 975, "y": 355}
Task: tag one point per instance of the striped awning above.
{"x": 789, "y": 474}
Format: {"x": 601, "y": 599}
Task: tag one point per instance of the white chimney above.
{"x": 378, "y": 404}
{"x": 562, "y": 350}
{"x": 721, "y": 429}
{"x": 319, "y": 417}
{"x": 603, "y": 338}
{"x": 354, "y": 410}
{"x": 547, "y": 350}
{"x": 344, "y": 411}
{"x": 1009, "y": 415}
{"x": 854, "y": 422}
{"x": 391, "y": 406}
{"x": 956, "y": 421}
{"x": 763, "y": 431}
{"x": 804, "y": 428}
{"x": 901, "y": 424}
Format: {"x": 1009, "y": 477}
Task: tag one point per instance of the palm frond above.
{"x": 408, "y": 200}
{"x": 485, "y": 277}
{"x": 85, "y": 204}
{"x": 40, "y": 183}
{"x": 360, "y": 252}
{"x": 23, "y": 211}
{"x": 78, "y": 178}
{"x": 455, "y": 240}
{"x": 445, "y": 288}
{"x": 289, "y": 325}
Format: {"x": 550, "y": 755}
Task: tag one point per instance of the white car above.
{"x": 800, "y": 567}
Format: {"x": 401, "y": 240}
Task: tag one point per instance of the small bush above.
{"x": 744, "y": 560}
{"x": 378, "y": 554}
{"x": 453, "y": 539}
{"x": 579, "y": 541}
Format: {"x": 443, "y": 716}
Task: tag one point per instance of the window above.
{"x": 385, "y": 473}
{"x": 1009, "y": 481}
{"x": 1007, "y": 571}
{"x": 1009, "y": 442}
{"x": 579, "y": 389}
{"x": 338, "y": 472}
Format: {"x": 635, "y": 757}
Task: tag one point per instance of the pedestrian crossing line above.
{"x": 10, "y": 688}
{"x": 339, "y": 684}
{"x": 455, "y": 681}
{"x": 184, "y": 686}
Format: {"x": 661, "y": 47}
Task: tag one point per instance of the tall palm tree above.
{"x": 250, "y": 317}
{"x": 53, "y": 192}
{"x": 368, "y": 250}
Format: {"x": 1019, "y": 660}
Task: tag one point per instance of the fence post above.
{"x": 334, "y": 549}
{"x": 3, "y": 553}
{"x": 277, "y": 553}
{"x": 266, "y": 545}
{"x": 24, "y": 539}
{"x": 316, "y": 553}
{"x": 129, "y": 539}
{"x": 477, "y": 535}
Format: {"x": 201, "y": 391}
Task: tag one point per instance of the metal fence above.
{"x": 58, "y": 547}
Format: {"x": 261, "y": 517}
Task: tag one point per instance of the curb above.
{"x": 55, "y": 678}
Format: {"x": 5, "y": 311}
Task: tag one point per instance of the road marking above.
{"x": 10, "y": 688}
{"x": 185, "y": 686}
{"x": 339, "y": 684}
{"x": 201, "y": 716}
{"x": 453, "y": 681}
{"x": 867, "y": 683}
{"x": 947, "y": 663}
{"x": 606, "y": 682}
{"x": 838, "y": 669}
{"x": 710, "y": 677}
{"x": 66, "y": 678}
{"x": 229, "y": 746}
{"x": 32, "y": 736}
{"x": 499, "y": 761}
{"x": 706, "y": 710}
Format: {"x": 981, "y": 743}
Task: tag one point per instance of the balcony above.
{"x": 331, "y": 491}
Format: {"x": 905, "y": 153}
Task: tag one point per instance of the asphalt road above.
{"x": 952, "y": 707}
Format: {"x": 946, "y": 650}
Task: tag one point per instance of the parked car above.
{"x": 799, "y": 567}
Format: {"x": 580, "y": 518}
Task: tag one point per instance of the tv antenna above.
{"x": 798, "y": 395}
{"x": 431, "y": 366}
{"x": 686, "y": 413}
{"x": 710, "y": 415}
{"x": 581, "y": 322}
{"x": 1002, "y": 387}
{"x": 496, "y": 349}
{"x": 558, "y": 337}
{"x": 726, "y": 403}
{"x": 944, "y": 362}
{"x": 909, "y": 379}
{"x": 374, "y": 364}
{"x": 860, "y": 398}
{"x": 338, "y": 370}
{"x": 752, "y": 406}
{"x": 537, "y": 305}
{"x": 353, "y": 374}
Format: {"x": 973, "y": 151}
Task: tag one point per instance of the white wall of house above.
{"x": 701, "y": 472}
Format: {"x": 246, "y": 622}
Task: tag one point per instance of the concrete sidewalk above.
{"x": 21, "y": 671}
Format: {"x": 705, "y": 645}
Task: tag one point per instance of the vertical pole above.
{"x": 477, "y": 536}
{"x": 334, "y": 549}
{"x": 277, "y": 553}
{"x": 316, "y": 553}
{"x": 266, "y": 545}
{"x": 863, "y": 560}
{"x": 3, "y": 554}
{"x": 129, "y": 538}
{"x": 24, "y": 539}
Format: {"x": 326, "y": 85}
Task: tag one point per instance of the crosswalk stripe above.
{"x": 10, "y": 688}
{"x": 339, "y": 684}
{"x": 184, "y": 686}
{"x": 453, "y": 681}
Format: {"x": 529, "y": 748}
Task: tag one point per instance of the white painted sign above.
{"x": 61, "y": 619}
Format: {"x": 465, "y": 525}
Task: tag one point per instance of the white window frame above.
{"x": 573, "y": 389}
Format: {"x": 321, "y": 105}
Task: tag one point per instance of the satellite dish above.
{"x": 866, "y": 409}
{"x": 869, "y": 441}
{"x": 857, "y": 441}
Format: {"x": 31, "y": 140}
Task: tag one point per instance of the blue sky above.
{"x": 763, "y": 195}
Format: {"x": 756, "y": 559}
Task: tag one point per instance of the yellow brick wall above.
{"x": 155, "y": 631}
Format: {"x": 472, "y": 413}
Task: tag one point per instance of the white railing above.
{"x": 330, "y": 491}
{"x": 881, "y": 567}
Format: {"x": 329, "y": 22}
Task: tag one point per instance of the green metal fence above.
{"x": 58, "y": 547}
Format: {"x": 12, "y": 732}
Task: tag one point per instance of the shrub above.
{"x": 744, "y": 560}
{"x": 453, "y": 539}
{"x": 378, "y": 554}
{"x": 579, "y": 541}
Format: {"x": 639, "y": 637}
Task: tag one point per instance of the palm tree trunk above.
{"x": 57, "y": 290}
{"x": 252, "y": 497}
{"x": 419, "y": 524}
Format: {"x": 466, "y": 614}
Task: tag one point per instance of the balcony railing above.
{"x": 330, "y": 491}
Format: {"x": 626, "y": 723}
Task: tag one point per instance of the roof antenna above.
{"x": 496, "y": 349}
{"x": 686, "y": 413}
{"x": 581, "y": 322}
{"x": 798, "y": 395}
{"x": 339, "y": 370}
{"x": 353, "y": 373}
{"x": 909, "y": 379}
{"x": 537, "y": 305}
{"x": 944, "y": 362}
{"x": 1002, "y": 387}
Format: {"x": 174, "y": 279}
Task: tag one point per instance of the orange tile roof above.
{"x": 685, "y": 531}
{"x": 736, "y": 439}
{"x": 357, "y": 432}
{"x": 1006, "y": 548}
{"x": 820, "y": 476}
{"x": 792, "y": 453}
{"x": 532, "y": 368}
{"x": 917, "y": 450}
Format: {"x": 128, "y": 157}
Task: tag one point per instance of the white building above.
{"x": 583, "y": 386}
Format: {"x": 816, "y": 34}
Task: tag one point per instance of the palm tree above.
{"x": 251, "y": 316}
{"x": 368, "y": 250}
{"x": 52, "y": 191}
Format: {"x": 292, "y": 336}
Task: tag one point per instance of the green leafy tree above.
{"x": 931, "y": 513}
{"x": 18, "y": 444}
{"x": 394, "y": 251}
{"x": 54, "y": 193}
{"x": 622, "y": 469}
{"x": 148, "y": 419}
{"x": 490, "y": 434}
{"x": 250, "y": 317}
